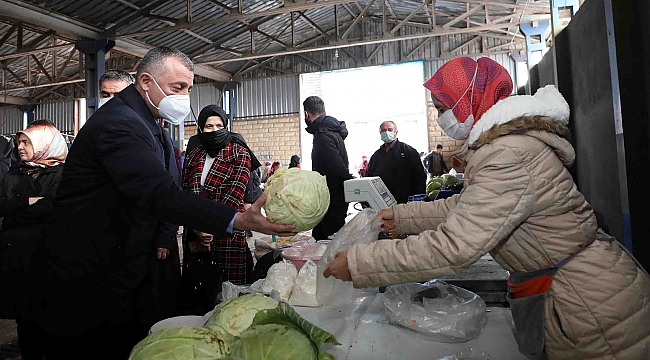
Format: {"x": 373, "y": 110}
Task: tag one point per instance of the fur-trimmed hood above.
{"x": 543, "y": 116}
{"x": 547, "y": 102}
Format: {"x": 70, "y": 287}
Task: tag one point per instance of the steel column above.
{"x": 557, "y": 26}
{"x": 95, "y": 59}
{"x": 29, "y": 110}
{"x": 529, "y": 31}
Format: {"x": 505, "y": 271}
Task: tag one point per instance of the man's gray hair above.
{"x": 153, "y": 62}
{"x": 116, "y": 75}
{"x": 390, "y": 121}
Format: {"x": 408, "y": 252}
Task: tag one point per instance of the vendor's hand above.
{"x": 34, "y": 200}
{"x": 247, "y": 206}
{"x": 161, "y": 253}
{"x": 388, "y": 218}
{"x": 339, "y": 267}
{"x": 253, "y": 220}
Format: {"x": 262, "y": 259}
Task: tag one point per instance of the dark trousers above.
{"x": 332, "y": 222}
{"x": 30, "y": 339}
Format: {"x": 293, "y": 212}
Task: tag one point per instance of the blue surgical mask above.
{"x": 388, "y": 137}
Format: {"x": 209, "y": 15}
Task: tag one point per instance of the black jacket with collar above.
{"x": 114, "y": 191}
{"x": 329, "y": 156}
{"x": 401, "y": 170}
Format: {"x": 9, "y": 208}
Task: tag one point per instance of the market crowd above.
{"x": 90, "y": 255}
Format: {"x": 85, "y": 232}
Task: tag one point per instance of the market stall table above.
{"x": 363, "y": 330}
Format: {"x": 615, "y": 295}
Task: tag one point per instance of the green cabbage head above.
{"x": 298, "y": 197}
{"x": 184, "y": 343}
{"x": 274, "y": 342}
{"x": 236, "y": 315}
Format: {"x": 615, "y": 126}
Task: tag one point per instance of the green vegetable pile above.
{"x": 250, "y": 327}
{"x": 433, "y": 187}
{"x": 298, "y": 197}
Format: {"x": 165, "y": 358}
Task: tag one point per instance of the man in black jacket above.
{"x": 329, "y": 158}
{"x": 94, "y": 259}
{"x": 398, "y": 165}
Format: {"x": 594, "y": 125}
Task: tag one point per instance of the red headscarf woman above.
{"x": 574, "y": 292}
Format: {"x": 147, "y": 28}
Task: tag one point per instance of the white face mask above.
{"x": 102, "y": 101}
{"x": 173, "y": 108}
{"x": 450, "y": 124}
{"x": 388, "y": 137}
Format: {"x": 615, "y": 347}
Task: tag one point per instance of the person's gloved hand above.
{"x": 339, "y": 267}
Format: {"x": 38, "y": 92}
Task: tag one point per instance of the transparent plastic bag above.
{"x": 281, "y": 277}
{"x": 443, "y": 312}
{"x": 230, "y": 291}
{"x": 304, "y": 290}
{"x": 363, "y": 228}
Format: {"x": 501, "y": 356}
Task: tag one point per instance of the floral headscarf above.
{"x": 50, "y": 148}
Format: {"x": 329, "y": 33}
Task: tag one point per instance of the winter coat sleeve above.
{"x": 165, "y": 236}
{"x": 253, "y": 190}
{"x": 325, "y": 148}
{"x": 500, "y": 198}
{"x": 372, "y": 166}
{"x": 144, "y": 180}
{"x": 418, "y": 178}
{"x": 11, "y": 205}
{"x": 445, "y": 169}
{"x": 418, "y": 216}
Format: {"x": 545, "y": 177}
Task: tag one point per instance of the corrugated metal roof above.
{"x": 61, "y": 113}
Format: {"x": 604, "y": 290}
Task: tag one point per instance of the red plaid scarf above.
{"x": 226, "y": 183}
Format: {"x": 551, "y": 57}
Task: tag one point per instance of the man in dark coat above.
{"x": 329, "y": 158}
{"x": 398, "y": 165}
{"x": 94, "y": 259}
{"x": 435, "y": 163}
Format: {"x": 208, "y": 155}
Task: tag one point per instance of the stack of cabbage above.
{"x": 250, "y": 327}
{"x": 298, "y": 197}
{"x": 433, "y": 187}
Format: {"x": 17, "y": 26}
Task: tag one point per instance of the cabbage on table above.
{"x": 184, "y": 343}
{"x": 266, "y": 330}
{"x": 298, "y": 197}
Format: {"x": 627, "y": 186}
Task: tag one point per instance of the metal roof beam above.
{"x": 462, "y": 17}
{"x": 31, "y": 14}
{"x": 42, "y": 68}
{"x": 134, "y": 16}
{"x": 33, "y": 52}
{"x": 359, "y": 17}
{"x": 435, "y": 32}
{"x": 500, "y": 4}
{"x": 13, "y": 100}
{"x": 406, "y": 20}
{"x": 242, "y": 30}
{"x": 237, "y": 17}
{"x": 8, "y": 34}
{"x": 465, "y": 44}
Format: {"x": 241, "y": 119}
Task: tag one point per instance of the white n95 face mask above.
{"x": 450, "y": 124}
{"x": 102, "y": 101}
{"x": 173, "y": 108}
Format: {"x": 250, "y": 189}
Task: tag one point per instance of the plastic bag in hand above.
{"x": 363, "y": 228}
{"x": 304, "y": 290}
{"x": 443, "y": 312}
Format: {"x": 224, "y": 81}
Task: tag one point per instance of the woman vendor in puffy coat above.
{"x": 574, "y": 286}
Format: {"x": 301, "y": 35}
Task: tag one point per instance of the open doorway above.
{"x": 364, "y": 98}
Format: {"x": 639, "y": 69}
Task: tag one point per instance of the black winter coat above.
{"x": 401, "y": 170}
{"x": 329, "y": 156}
{"x": 22, "y": 229}
{"x": 115, "y": 189}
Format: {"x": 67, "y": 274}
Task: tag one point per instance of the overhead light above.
{"x": 336, "y": 53}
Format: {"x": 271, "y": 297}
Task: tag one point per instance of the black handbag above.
{"x": 201, "y": 281}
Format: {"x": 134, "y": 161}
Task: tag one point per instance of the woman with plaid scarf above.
{"x": 219, "y": 169}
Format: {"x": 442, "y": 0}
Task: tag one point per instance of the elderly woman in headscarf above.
{"x": 575, "y": 292}
{"x": 219, "y": 169}
{"x": 25, "y": 202}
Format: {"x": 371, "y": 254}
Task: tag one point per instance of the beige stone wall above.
{"x": 274, "y": 139}
{"x": 437, "y": 136}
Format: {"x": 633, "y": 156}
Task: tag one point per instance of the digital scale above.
{"x": 370, "y": 190}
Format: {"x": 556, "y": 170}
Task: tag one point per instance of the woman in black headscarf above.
{"x": 295, "y": 162}
{"x": 219, "y": 169}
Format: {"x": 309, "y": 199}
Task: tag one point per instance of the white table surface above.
{"x": 364, "y": 332}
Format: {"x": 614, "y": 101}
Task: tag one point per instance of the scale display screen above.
{"x": 371, "y": 190}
